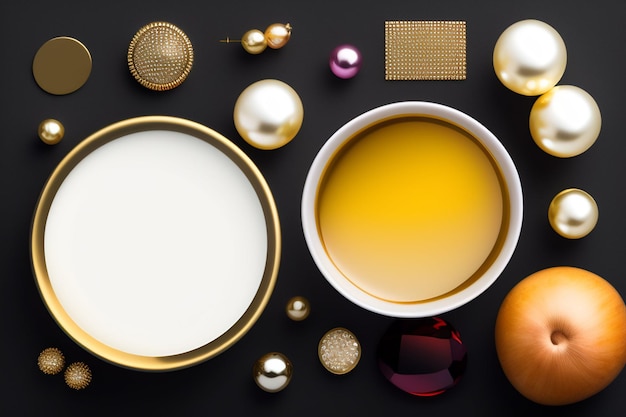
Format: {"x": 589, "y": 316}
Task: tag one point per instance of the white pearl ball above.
{"x": 268, "y": 114}
{"x": 565, "y": 121}
{"x": 530, "y": 57}
{"x": 573, "y": 213}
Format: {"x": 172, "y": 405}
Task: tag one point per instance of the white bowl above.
{"x": 500, "y": 243}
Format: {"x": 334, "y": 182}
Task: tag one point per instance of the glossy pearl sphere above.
{"x": 272, "y": 372}
{"x": 529, "y": 57}
{"x": 573, "y": 213}
{"x": 253, "y": 41}
{"x": 51, "y": 131}
{"x": 298, "y": 308}
{"x": 277, "y": 35}
{"x": 345, "y": 61}
{"x": 268, "y": 114}
{"x": 565, "y": 121}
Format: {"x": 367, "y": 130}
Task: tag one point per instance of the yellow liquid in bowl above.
{"x": 412, "y": 209}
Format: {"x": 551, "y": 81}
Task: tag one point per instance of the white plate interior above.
{"x": 156, "y": 243}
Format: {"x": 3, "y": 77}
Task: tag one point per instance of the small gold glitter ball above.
{"x": 51, "y": 361}
{"x": 272, "y": 372}
{"x": 298, "y": 308}
{"x": 51, "y": 131}
{"x": 77, "y": 375}
{"x": 339, "y": 351}
{"x": 160, "y": 56}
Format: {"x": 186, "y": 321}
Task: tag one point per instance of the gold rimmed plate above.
{"x": 156, "y": 243}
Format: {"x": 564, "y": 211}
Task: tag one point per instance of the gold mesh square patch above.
{"x": 425, "y": 50}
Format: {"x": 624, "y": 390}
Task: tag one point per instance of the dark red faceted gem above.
{"x": 423, "y": 357}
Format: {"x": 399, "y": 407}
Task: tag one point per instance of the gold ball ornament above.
{"x": 160, "y": 56}
{"x": 298, "y": 308}
{"x": 529, "y": 57}
{"x": 339, "y": 351}
{"x": 565, "y": 121}
{"x": 51, "y": 361}
{"x": 277, "y": 35}
{"x": 78, "y": 376}
{"x": 272, "y": 372}
{"x": 253, "y": 41}
{"x": 268, "y": 114}
{"x": 51, "y": 131}
{"x": 573, "y": 213}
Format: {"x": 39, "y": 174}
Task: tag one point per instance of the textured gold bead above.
{"x": 51, "y": 361}
{"x": 339, "y": 351}
{"x": 77, "y": 375}
{"x": 160, "y": 56}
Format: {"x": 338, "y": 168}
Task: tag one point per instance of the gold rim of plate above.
{"x": 266, "y": 286}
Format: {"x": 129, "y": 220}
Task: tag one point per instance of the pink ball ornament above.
{"x": 345, "y": 61}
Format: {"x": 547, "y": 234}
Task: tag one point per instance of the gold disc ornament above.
{"x": 160, "y": 56}
{"x": 62, "y": 65}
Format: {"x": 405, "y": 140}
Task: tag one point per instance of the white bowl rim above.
{"x": 442, "y": 304}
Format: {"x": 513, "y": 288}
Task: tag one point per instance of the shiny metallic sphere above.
{"x": 529, "y": 57}
{"x": 573, "y": 213}
{"x": 565, "y": 121}
{"x": 298, "y": 308}
{"x": 268, "y": 114}
{"x": 51, "y": 131}
{"x": 272, "y": 372}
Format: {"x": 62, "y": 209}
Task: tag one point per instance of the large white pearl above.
{"x": 565, "y": 121}
{"x": 573, "y": 213}
{"x": 529, "y": 57}
{"x": 268, "y": 114}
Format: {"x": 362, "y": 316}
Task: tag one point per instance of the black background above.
{"x": 593, "y": 32}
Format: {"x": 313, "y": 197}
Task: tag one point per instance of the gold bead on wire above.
{"x": 254, "y": 41}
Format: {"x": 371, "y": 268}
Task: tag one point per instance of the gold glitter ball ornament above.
{"x": 298, "y": 308}
{"x": 160, "y": 56}
{"x": 339, "y": 351}
{"x": 51, "y": 361}
{"x": 77, "y": 376}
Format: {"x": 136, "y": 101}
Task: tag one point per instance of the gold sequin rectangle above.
{"x": 425, "y": 50}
